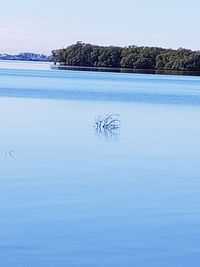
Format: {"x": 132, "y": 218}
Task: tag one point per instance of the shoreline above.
{"x": 52, "y": 66}
{"x": 125, "y": 70}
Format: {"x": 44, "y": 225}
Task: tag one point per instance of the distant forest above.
{"x": 132, "y": 57}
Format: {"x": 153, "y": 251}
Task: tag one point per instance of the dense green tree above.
{"x": 81, "y": 54}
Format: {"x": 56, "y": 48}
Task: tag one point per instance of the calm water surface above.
{"x": 70, "y": 196}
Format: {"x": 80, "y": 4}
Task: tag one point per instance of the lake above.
{"x": 71, "y": 195}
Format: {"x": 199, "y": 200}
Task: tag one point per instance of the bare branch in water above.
{"x": 108, "y": 125}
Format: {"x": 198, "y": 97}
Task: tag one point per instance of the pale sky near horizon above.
{"x": 42, "y": 25}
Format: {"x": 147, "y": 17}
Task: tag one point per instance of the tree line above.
{"x": 132, "y": 57}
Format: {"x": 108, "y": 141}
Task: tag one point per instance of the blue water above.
{"x": 70, "y": 196}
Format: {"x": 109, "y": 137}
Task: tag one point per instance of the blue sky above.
{"x": 43, "y": 25}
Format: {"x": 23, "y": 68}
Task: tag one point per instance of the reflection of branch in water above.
{"x": 108, "y": 125}
{"x": 9, "y": 153}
